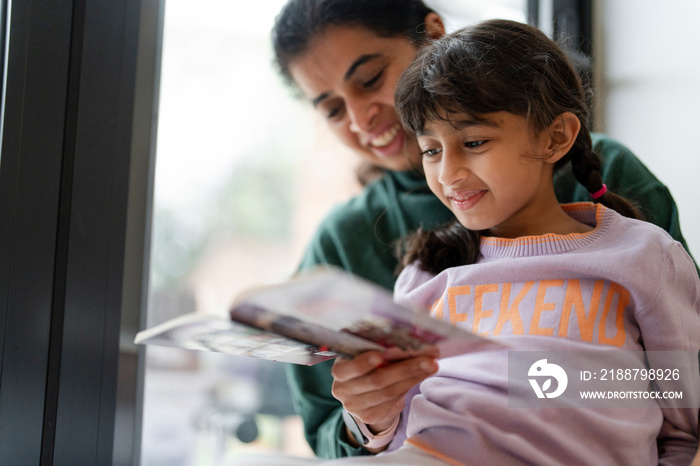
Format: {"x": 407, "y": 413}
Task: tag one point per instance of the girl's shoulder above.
{"x": 414, "y": 287}
{"x": 638, "y": 231}
{"x": 643, "y": 249}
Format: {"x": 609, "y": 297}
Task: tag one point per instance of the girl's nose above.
{"x": 452, "y": 169}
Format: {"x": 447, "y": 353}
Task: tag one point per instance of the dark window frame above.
{"x": 76, "y": 172}
{"x": 571, "y": 25}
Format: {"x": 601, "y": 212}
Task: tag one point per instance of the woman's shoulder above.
{"x": 355, "y": 211}
{"x": 393, "y": 190}
{"x": 354, "y": 220}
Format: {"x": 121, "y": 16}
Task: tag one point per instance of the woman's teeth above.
{"x": 384, "y": 139}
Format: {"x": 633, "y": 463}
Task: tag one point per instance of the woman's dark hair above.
{"x": 495, "y": 66}
{"x": 300, "y": 21}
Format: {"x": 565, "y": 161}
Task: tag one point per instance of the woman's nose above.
{"x": 362, "y": 115}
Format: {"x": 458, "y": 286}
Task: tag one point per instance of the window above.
{"x": 244, "y": 173}
{"x": 239, "y": 177}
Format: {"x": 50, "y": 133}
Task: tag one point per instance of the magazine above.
{"x": 311, "y": 318}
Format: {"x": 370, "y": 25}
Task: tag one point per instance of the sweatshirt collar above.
{"x": 595, "y": 215}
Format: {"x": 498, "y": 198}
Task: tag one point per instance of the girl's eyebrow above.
{"x": 462, "y": 124}
{"x": 466, "y": 123}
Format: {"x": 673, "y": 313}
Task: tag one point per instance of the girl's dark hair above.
{"x": 495, "y": 66}
{"x": 300, "y": 21}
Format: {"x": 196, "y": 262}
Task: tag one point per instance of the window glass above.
{"x": 244, "y": 173}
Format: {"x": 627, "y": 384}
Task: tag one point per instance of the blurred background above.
{"x": 245, "y": 172}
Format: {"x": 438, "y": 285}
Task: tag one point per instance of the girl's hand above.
{"x": 373, "y": 385}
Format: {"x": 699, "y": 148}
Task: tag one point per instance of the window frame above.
{"x": 76, "y": 172}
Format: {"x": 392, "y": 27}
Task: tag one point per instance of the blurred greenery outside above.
{"x": 255, "y": 201}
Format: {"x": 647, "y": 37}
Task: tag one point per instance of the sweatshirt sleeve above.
{"x": 672, "y": 323}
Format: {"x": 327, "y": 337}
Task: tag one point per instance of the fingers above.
{"x": 362, "y": 364}
{"x": 394, "y": 353}
{"x": 373, "y": 385}
{"x": 383, "y": 384}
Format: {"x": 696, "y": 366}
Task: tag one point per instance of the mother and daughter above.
{"x": 494, "y": 113}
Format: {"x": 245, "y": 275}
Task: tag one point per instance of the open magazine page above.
{"x": 312, "y": 318}
{"x": 208, "y": 332}
{"x": 322, "y": 305}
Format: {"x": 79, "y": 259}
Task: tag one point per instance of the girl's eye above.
{"x": 430, "y": 152}
{"x": 373, "y": 80}
{"x": 474, "y": 144}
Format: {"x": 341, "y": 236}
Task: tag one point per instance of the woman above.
{"x": 345, "y": 56}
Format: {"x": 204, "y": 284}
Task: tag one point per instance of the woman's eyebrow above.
{"x": 320, "y": 98}
{"x": 361, "y": 60}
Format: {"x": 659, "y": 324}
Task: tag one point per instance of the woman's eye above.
{"x": 373, "y": 80}
{"x": 333, "y": 113}
{"x": 430, "y": 152}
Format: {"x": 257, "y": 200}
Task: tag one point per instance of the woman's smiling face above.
{"x": 350, "y": 74}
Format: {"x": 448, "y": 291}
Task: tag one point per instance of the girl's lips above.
{"x": 467, "y": 200}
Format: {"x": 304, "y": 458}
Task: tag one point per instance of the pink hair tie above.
{"x": 600, "y": 192}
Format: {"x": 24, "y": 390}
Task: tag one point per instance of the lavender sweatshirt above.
{"x": 630, "y": 287}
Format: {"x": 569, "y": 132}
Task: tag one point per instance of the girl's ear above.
{"x": 562, "y": 135}
{"x": 434, "y": 26}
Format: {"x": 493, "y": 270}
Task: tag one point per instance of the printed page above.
{"x": 329, "y": 300}
{"x": 207, "y": 332}
{"x": 312, "y": 318}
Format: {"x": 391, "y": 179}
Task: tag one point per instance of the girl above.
{"x": 497, "y": 109}
{"x": 345, "y": 57}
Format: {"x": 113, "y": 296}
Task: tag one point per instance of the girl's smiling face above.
{"x": 350, "y": 75}
{"x": 492, "y": 172}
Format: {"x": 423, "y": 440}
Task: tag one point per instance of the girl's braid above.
{"x": 586, "y": 166}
